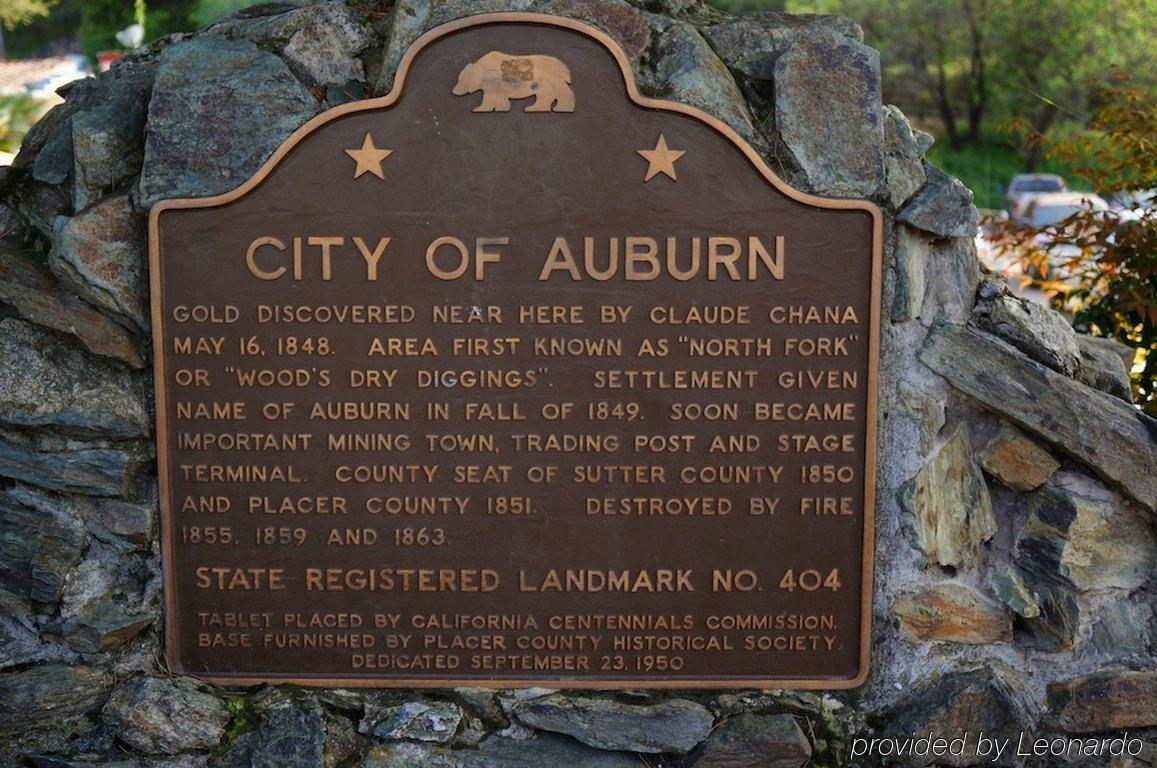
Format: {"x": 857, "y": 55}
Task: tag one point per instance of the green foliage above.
{"x": 966, "y": 66}
{"x": 244, "y": 717}
{"x": 17, "y": 114}
{"x": 749, "y": 6}
{"x": 102, "y": 19}
{"x": 209, "y": 11}
{"x": 29, "y": 40}
{"x": 15, "y": 13}
{"x": 1102, "y": 266}
{"x": 987, "y": 165}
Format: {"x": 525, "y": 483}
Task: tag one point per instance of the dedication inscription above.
{"x": 516, "y": 377}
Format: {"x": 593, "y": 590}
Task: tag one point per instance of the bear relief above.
{"x": 503, "y": 78}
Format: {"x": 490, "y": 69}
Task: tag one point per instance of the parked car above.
{"x": 1025, "y": 186}
{"x": 1046, "y": 213}
{"x": 1133, "y": 200}
{"x": 1048, "y": 210}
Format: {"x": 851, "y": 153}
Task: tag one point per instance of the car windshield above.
{"x": 1047, "y": 215}
{"x": 1037, "y": 185}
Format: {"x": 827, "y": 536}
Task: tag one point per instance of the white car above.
{"x": 1046, "y": 213}
{"x": 1026, "y": 186}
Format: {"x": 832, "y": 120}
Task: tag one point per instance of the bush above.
{"x": 1102, "y": 266}
{"x": 18, "y": 111}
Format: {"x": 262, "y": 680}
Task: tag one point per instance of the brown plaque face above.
{"x": 515, "y": 377}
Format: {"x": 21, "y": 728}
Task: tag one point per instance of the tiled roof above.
{"x": 17, "y": 74}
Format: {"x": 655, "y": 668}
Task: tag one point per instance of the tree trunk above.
{"x": 977, "y": 76}
{"x": 1040, "y": 123}
{"x": 944, "y": 105}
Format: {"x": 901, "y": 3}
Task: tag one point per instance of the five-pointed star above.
{"x": 369, "y": 158}
{"x": 661, "y": 159}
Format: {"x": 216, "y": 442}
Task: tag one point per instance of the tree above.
{"x": 972, "y": 63}
{"x": 1051, "y": 55}
{"x": 1102, "y": 266}
{"x": 102, "y": 19}
{"x": 15, "y": 13}
{"x": 18, "y": 112}
{"x": 936, "y": 55}
{"x": 208, "y": 11}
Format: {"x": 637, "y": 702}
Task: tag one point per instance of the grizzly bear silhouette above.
{"x": 502, "y": 78}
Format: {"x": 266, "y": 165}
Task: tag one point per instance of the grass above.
{"x": 987, "y": 167}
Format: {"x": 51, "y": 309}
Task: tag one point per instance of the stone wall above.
{"x": 1015, "y": 537}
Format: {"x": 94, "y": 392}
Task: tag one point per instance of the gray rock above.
{"x": 417, "y": 721}
{"x": 1013, "y": 592}
{"x": 911, "y": 255}
{"x": 46, "y": 384}
{"x": 70, "y": 466}
{"x": 1038, "y": 331}
{"x": 292, "y": 735}
{"x": 219, "y": 110}
{"x": 187, "y": 760}
{"x": 669, "y": 726}
{"x": 769, "y": 741}
{"x": 343, "y": 744}
{"x": 943, "y": 206}
{"x": 1105, "y": 365}
{"x": 484, "y": 703}
{"x": 103, "y": 625}
{"x": 900, "y": 138}
{"x": 625, "y": 23}
{"x": 29, "y": 288}
{"x": 20, "y": 640}
{"x": 905, "y": 176}
{"x": 685, "y": 69}
{"x": 1104, "y": 701}
{"x": 46, "y": 761}
{"x": 1088, "y": 543}
{"x": 108, "y": 148}
{"x": 1055, "y": 628}
{"x": 104, "y": 604}
{"x": 53, "y": 164}
{"x": 1119, "y": 631}
{"x": 100, "y": 254}
{"x": 116, "y": 521}
{"x": 958, "y": 704}
{"x": 949, "y": 512}
{"x": 951, "y": 613}
{"x": 951, "y": 277}
{"x": 410, "y": 18}
{"x": 322, "y": 42}
{"x": 1108, "y": 435}
{"x": 539, "y": 751}
{"x": 802, "y": 704}
{"x": 904, "y": 149}
{"x": 1016, "y": 461}
{"x": 11, "y": 223}
{"x": 43, "y": 204}
{"x": 828, "y": 113}
{"x": 38, "y": 546}
{"x": 164, "y": 716}
{"x": 926, "y": 410}
{"x": 43, "y": 708}
{"x": 126, "y": 83}
{"x": 751, "y": 43}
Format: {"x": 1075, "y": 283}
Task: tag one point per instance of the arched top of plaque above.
{"x": 519, "y": 80}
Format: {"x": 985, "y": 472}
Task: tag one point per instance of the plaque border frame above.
{"x": 166, "y": 524}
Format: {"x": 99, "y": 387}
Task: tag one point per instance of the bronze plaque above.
{"x": 516, "y": 377}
